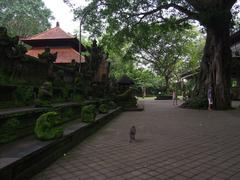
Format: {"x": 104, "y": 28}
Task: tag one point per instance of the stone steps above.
{"x": 25, "y": 157}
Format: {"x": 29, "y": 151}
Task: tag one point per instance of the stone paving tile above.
{"x": 172, "y": 144}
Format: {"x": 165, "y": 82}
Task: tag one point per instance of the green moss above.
{"x": 68, "y": 114}
{"x": 88, "y": 113}
{"x": 45, "y": 128}
{"x": 8, "y": 130}
{"x": 6, "y": 78}
{"x": 127, "y": 99}
{"x": 4, "y": 138}
{"x": 24, "y": 95}
{"x": 45, "y": 95}
{"x": 198, "y": 102}
{"x": 42, "y": 103}
{"x": 11, "y": 124}
{"x": 78, "y": 98}
{"x": 103, "y": 108}
{"x": 112, "y": 105}
{"x": 66, "y": 92}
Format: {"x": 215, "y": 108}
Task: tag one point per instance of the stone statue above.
{"x": 96, "y": 56}
{"x": 45, "y": 95}
{"x": 10, "y": 47}
{"x": 46, "y": 91}
{"x": 47, "y": 56}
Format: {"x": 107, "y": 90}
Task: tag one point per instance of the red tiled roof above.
{"x": 54, "y": 33}
{"x": 65, "y": 54}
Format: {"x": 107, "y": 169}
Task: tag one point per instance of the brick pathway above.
{"x": 172, "y": 143}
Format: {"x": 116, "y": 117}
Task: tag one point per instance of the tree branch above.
{"x": 190, "y": 14}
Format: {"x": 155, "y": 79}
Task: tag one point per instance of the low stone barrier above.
{"x": 21, "y": 121}
{"x": 24, "y": 158}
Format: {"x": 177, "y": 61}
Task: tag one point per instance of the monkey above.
{"x": 132, "y": 134}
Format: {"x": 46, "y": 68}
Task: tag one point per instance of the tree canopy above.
{"x": 24, "y": 17}
{"x": 103, "y": 14}
{"x": 164, "y": 47}
{"x": 154, "y": 55}
{"x": 215, "y": 15}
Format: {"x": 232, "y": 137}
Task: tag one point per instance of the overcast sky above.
{"x": 63, "y": 14}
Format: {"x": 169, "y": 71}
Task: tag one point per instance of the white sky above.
{"x": 62, "y": 13}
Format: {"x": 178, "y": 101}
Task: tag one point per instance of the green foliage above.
{"x": 45, "y": 128}
{"x": 42, "y": 103}
{"x": 59, "y": 79}
{"x": 190, "y": 87}
{"x": 113, "y": 16}
{"x": 122, "y": 65}
{"x": 88, "y": 113}
{"x": 167, "y": 50}
{"x": 162, "y": 48}
{"x": 6, "y": 78}
{"x": 78, "y": 98}
{"x": 197, "y": 102}
{"x": 127, "y": 17}
{"x": 127, "y": 99}
{"x": 25, "y": 17}
{"x": 66, "y": 92}
{"x": 24, "y": 95}
{"x": 67, "y": 114}
{"x": 8, "y": 130}
{"x": 45, "y": 95}
{"x": 11, "y": 125}
{"x": 141, "y": 76}
{"x": 45, "y": 91}
{"x": 103, "y": 108}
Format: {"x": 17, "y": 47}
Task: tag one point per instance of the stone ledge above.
{"x": 24, "y": 158}
{"x": 140, "y": 107}
{"x": 12, "y": 112}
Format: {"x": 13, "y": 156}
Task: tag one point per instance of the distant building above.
{"x": 66, "y": 45}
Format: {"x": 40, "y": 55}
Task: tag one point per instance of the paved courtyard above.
{"x": 172, "y": 143}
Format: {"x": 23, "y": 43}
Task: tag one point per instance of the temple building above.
{"x": 66, "y": 45}
{"x": 95, "y": 65}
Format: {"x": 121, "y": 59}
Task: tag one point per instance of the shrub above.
{"x": 112, "y": 105}
{"x": 24, "y": 95}
{"x": 127, "y": 99}
{"x": 198, "y": 102}
{"x": 8, "y": 130}
{"x": 78, "y": 98}
{"x": 45, "y": 128}
{"x": 66, "y": 92}
{"x": 88, "y": 113}
{"x": 103, "y": 108}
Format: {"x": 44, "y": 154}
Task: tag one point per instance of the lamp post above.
{"x": 80, "y": 39}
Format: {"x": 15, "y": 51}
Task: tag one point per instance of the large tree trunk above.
{"x": 216, "y": 64}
